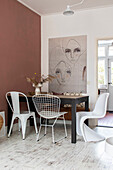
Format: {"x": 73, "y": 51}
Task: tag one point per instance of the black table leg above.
{"x": 87, "y": 104}
{"x": 87, "y": 108}
{"x": 73, "y": 123}
{"x": 9, "y": 118}
{"x": 32, "y": 108}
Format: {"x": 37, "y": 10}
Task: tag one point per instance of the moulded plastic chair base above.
{"x": 90, "y": 135}
{"x": 99, "y": 111}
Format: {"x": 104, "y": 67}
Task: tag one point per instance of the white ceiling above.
{"x": 46, "y": 7}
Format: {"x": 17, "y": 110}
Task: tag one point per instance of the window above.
{"x": 105, "y": 63}
{"x": 101, "y": 51}
{"x": 101, "y": 71}
{"x": 112, "y": 73}
{"x": 110, "y": 52}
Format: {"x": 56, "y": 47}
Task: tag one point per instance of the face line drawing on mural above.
{"x": 73, "y": 51}
{"x": 62, "y": 72}
{"x": 68, "y": 65}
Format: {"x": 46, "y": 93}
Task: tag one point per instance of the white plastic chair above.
{"x": 98, "y": 112}
{"x": 48, "y": 107}
{"x": 22, "y": 116}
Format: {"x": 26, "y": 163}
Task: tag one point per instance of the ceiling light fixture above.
{"x": 68, "y": 10}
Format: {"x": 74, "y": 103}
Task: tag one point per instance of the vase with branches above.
{"x": 38, "y": 80}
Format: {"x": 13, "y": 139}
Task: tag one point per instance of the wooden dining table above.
{"x": 65, "y": 99}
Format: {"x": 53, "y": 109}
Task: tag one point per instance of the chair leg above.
{"x": 53, "y": 130}
{"x": 39, "y": 133}
{"x": 53, "y": 134}
{"x": 11, "y": 126}
{"x": 35, "y": 124}
{"x": 45, "y": 127}
{"x": 19, "y": 124}
{"x": 53, "y": 137}
{"x": 24, "y": 122}
{"x": 39, "y": 130}
{"x": 65, "y": 126}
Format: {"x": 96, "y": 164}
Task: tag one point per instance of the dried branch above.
{"x": 39, "y": 79}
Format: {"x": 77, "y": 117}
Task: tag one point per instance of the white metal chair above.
{"x": 48, "y": 107}
{"x": 22, "y": 116}
{"x": 98, "y": 112}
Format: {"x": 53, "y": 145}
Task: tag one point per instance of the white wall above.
{"x": 96, "y": 24}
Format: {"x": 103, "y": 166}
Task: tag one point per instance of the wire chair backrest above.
{"x": 46, "y": 105}
{"x": 101, "y": 104}
{"x": 14, "y": 103}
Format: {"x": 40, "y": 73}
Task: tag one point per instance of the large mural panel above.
{"x": 68, "y": 63}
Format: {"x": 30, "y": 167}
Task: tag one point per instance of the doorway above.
{"x": 105, "y": 77}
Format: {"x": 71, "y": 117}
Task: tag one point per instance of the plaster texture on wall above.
{"x": 96, "y": 24}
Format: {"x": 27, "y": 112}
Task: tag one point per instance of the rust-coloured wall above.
{"x": 20, "y": 48}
